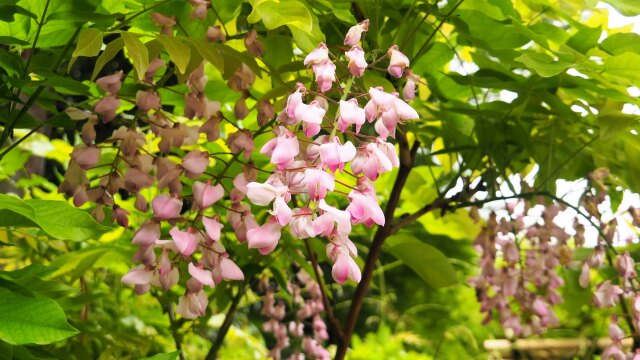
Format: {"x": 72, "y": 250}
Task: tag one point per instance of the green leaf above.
{"x": 428, "y": 262}
{"x": 625, "y": 65}
{"x": 31, "y": 319}
{"x": 619, "y": 43}
{"x": 626, "y": 7}
{"x": 278, "y": 13}
{"x": 138, "y": 53}
{"x": 613, "y": 122}
{"x": 178, "y": 51}
{"x": 163, "y": 356}
{"x": 57, "y": 218}
{"x": 12, "y": 40}
{"x": 585, "y": 39}
{"x": 89, "y": 43}
{"x": 210, "y": 52}
{"x": 543, "y": 64}
{"x": 107, "y": 55}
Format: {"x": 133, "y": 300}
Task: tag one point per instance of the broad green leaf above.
{"x": 278, "y": 13}
{"x": 625, "y": 65}
{"x": 110, "y": 51}
{"x": 89, "y": 43}
{"x": 585, "y": 39}
{"x": 613, "y": 122}
{"x": 178, "y": 51}
{"x": 543, "y": 64}
{"x": 137, "y": 52}
{"x": 164, "y": 356}
{"x": 57, "y": 218}
{"x": 233, "y": 58}
{"x": 626, "y": 7}
{"x": 427, "y": 261}
{"x": 31, "y": 319}
{"x": 619, "y": 43}
{"x": 210, "y": 52}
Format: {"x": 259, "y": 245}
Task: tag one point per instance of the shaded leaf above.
{"x": 31, "y": 320}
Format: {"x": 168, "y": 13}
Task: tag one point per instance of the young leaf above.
{"x": 107, "y": 55}
{"x": 89, "y": 43}
{"x": 138, "y": 53}
{"x": 178, "y": 51}
{"x": 209, "y": 52}
{"x": 31, "y": 319}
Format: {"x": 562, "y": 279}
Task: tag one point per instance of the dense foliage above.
{"x": 316, "y": 179}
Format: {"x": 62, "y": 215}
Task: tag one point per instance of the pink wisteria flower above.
{"x": 351, "y": 114}
{"x": 398, "y": 62}
{"x": 355, "y": 33}
{"x": 357, "y": 63}
{"x": 283, "y": 149}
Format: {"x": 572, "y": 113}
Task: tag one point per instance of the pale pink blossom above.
{"x": 205, "y": 194}
{"x": 357, "y": 63}
{"x": 241, "y": 140}
{"x": 317, "y": 182}
{"x": 334, "y": 155}
{"x": 317, "y": 56}
{"x": 398, "y": 62}
{"x": 86, "y": 156}
{"x": 264, "y": 194}
{"x": 325, "y": 73}
{"x": 193, "y": 305}
{"x": 110, "y": 83}
{"x": 350, "y": 114}
{"x": 195, "y": 163}
{"x": 355, "y": 33}
{"x": 186, "y": 242}
{"x": 264, "y": 238}
{"x": 229, "y": 270}
{"x": 166, "y": 207}
{"x": 324, "y": 224}
{"x": 212, "y": 227}
{"x": 364, "y": 209}
{"x": 283, "y": 149}
{"x": 281, "y": 211}
{"x": 584, "y": 276}
{"x": 373, "y": 161}
{"x": 139, "y": 275}
{"x": 147, "y": 100}
{"x": 107, "y": 107}
{"x": 625, "y": 265}
{"x": 215, "y": 34}
{"x": 409, "y": 89}
{"x": 606, "y": 294}
{"x": 203, "y": 276}
{"x": 301, "y": 223}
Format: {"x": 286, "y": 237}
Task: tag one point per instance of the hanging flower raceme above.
{"x": 320, "y": 160}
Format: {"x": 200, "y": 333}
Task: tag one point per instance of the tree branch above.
{"x": 228, "y": 319}
{"x": 407, "y": 157}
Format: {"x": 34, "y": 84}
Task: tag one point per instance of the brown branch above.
{"x": 407, "y": 157}
{"x": 325, "y": 299}
{"x": 226, "y": 325}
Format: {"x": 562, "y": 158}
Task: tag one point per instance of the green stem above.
{"x": 35, "y": 40}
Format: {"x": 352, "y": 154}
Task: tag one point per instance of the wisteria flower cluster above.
{"x": 305, "y": 333}
{"x": 321, "y": 135}
{"x": 520, "y": 256}
{"x": 518, "y": 280}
